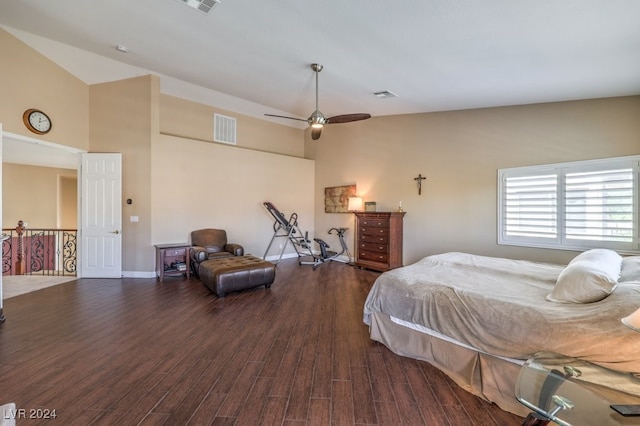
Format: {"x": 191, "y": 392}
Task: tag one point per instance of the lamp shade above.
{"x": 632, "y": 320}
{"x": 355, "y": 204}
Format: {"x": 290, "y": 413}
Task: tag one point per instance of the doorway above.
{"x": 39, "y": 187}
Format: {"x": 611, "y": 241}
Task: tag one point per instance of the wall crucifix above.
{"x": 419, "y": 179}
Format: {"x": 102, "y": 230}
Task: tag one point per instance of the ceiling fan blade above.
{"x": 290, "y": 118}
{"x": 315, "y": 133}
{"x": 347, "y": 118}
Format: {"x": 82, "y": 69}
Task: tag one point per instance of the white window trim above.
{"x": 561, "y": 169}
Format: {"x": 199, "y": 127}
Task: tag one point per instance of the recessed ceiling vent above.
{"x": 224, "y": 129}
{"x": 385, "y": 94}
{"x": 203, "y": 6}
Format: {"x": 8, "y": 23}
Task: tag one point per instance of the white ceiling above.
{"x": 434, "y": 54}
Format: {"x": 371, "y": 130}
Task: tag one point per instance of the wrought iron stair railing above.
{"x": 27, "y": 251}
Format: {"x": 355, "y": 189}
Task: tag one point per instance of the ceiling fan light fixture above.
{"x": 317, "y": 120}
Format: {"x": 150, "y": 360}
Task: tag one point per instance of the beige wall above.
{"x": 33, "y": 194}
{"x": 68, "y": 201}
{"x": 459, "y": 152}
{"x": 183, "y": 118}
{"x": 204, "y": 185}
{"x": 124, "y": 119}
{"x": 197, "y": 183}
{"x": 165, "y": 180}
{"x": 30, "y": 80}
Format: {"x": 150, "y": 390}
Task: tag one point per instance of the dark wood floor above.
{"x": 137, "y": 351}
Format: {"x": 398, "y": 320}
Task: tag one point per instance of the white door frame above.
{"x": 40, "y": 152}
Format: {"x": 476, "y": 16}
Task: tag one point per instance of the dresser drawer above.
{"x": 373, "y": 256}
{"x": 374, "y": 231}
{"x": 372, "y": 247}
{"x": 381, "y": 222}
{"x": 376, "y": 239}
{"x": 175, "y": 252}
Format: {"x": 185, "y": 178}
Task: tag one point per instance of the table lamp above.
{"x": 355, "y": 204}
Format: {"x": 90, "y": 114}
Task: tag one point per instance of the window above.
{"x": 577, "y": 205}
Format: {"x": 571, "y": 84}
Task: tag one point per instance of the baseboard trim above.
{"x": 342, "y": 259}
{"x": 138, "y": 274}
{"x": 284, "y": 256}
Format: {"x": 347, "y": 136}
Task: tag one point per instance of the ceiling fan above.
{"x": 317, "y": 120}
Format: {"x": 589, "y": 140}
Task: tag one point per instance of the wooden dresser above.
{"x": 379, "y": 240}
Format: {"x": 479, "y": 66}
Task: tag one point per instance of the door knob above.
{"x": 115, "y": 232}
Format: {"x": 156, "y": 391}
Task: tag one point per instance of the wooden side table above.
{"x": 172, "y": 260}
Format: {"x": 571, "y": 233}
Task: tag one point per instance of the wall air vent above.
{"x": 224, "y": 129}
{"x": 203, "y": 6}
{"x": 385, "y": 94}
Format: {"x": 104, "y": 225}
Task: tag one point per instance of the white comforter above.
{"x": 498, "y": 306}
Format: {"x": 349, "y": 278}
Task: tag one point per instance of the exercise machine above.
{"x": 289, "y": 229}
{"x": 326, "y": 254}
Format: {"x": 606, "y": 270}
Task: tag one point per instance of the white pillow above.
{"x": 630, "y": 270}
{"x": 589, "y": 277}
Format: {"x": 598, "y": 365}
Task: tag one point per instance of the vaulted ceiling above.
{"x": 434, "y": 54}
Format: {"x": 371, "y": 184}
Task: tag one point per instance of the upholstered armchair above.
{"x": 211, "y": 244}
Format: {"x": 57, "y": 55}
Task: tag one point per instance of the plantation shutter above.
{"x": 530, "y": 206}
{"x": 574, "y": 206}
{"x": 599, "y": 205}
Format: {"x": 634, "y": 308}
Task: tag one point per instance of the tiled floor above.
{"x": 15, "y": 285}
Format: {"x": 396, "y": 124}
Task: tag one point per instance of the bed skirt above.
{"x": 488, "y": 377}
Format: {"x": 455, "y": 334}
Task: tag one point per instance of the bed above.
{"x": 480, "y": 318}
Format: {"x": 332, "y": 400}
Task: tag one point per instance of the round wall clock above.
{"x": 36, "y": 121}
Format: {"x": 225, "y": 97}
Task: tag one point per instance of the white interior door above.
{"x": 101, "y": 215}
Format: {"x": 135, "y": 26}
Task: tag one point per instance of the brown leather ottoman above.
{"x": 236, "y": 273}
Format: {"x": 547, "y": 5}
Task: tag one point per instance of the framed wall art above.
{"x": 336, "y": 198}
